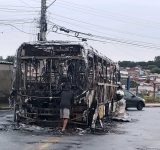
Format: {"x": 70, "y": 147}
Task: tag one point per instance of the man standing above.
{"x": 120, "y": 112}
{"x": 67, "y": 98}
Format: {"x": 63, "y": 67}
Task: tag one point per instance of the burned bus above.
{"x": 40, "y": 70}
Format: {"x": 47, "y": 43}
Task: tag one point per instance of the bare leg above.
{"x": 65, "y": 122}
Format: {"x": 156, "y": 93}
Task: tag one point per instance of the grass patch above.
{"x": 4, "y": 105}
{"x": 150, "y": 99}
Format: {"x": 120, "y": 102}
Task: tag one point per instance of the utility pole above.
{"x": 43, "y": 23}
{"x": 154, "y": 91}
{"x": 128, "y": 83}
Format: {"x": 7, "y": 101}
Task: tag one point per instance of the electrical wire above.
{"x": 122, "y": 41}
{"x": 100, "y": 27}
{"x": 97, "y": 31}
{"x": 89, "y": 36}
{"x": 16, "y": 20}
{"x": 112, "y": 17}
{"x": 16, "y": 10}
{"x": 97, "y": 11}
{"x": 98, "y": 35}
{"x": 102, "y": 41}
{"x": 51, "y": 4}
{"x": 19, "y": 6}
{"x": 25, "y": 3}
{"x": 16, "y": 28}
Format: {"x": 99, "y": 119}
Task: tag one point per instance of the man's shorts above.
{"x": 64, "y": 113}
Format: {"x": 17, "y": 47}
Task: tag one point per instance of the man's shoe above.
{"x": 62, "y": 132}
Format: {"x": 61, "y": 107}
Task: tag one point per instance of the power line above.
{"x": 122, "y": 41}
{"x": 22, "y": 12}
{"x": 116, "y": 18}
{"x": 15, "y": 20}
{"x": 136, "y": 43}
{"x": 24, "y": 3}
{"x": 19, "y": 8}
{"x": 100, "y": 27}
{"x": 117, "y": 15}
{"x": 90, "y": 29}
{"x": 51, "y": 4}
{"x": 16, "y": 28}
{"x": 106, "y": 41}
{"x": 79, "y": 26}
{"x": 16, "y": 10}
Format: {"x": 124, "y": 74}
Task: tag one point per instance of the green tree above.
{"x": 142, "y": 64}
{"x": 153, "y": 66}
{"x": 127, "y": 64}
{"x": 155, "y": 70}
{"x": 157, "y": 58}
{"x": 133, "y": 84}
{"x": 150, "y": 67}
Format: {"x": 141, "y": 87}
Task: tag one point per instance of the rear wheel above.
{"x": 140, "y": 106}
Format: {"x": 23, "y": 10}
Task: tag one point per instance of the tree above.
{"x": 155, "y": 70}
{"x": 133, "y": 84}
{"x": 153, "y": 66}
{"x": 10, "y": 58}
{"x": 142, "y": 64}
{"x": 150, "y": 67}
{"x": 1, "y": 58}
{"x": 127, "y": 64}
{"x": 157, "y": 58}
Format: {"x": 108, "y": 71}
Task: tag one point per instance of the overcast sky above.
{"x": 136, "y": 22}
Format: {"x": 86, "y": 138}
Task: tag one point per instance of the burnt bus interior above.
{"x": 41, "y": 69}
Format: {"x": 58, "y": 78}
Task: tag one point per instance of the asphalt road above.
{"x": 142, "y": 133}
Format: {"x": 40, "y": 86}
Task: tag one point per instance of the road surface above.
{"x": 142, "y": 133}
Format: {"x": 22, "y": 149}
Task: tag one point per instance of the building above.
{"x": 6, "y": 80}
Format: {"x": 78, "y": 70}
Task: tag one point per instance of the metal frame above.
{"x": 39, "y": 72}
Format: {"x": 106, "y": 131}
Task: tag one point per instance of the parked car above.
{"x": 133, "y": 101}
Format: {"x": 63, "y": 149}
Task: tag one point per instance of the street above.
{"x": 142, "y": 133}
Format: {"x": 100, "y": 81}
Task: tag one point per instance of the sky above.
{"x": 120, "y": 29}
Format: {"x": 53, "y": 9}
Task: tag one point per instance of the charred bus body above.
{"x": 40, "y": 71}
